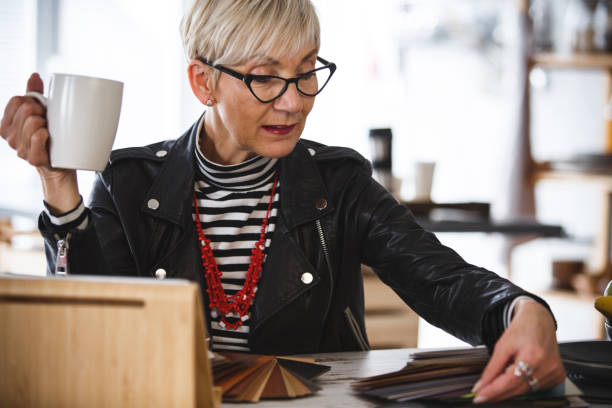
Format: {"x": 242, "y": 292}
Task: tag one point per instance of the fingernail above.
{"x": 480, "y": 399}
{"x": 476, "y": 386}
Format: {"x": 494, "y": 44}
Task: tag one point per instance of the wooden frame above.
{"x": 99, "y": 342}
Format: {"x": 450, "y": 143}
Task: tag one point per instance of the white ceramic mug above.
{"x": 82, "y": 117}
{"x": 423, "y": 180}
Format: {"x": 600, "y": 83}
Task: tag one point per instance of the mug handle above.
{"x": 39, "y": 97}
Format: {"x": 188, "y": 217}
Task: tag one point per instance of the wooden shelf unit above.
{"x": 601, "y": 61}
{"x": 604, "y": 180}
{"x": 532, "y": 172}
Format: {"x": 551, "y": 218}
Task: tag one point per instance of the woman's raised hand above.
{"x": 24, "y": 127}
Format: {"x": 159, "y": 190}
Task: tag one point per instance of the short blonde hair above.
{"x": 232, "y": 32}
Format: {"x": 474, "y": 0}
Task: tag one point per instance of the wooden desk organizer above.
{"x": 98, "y": 342}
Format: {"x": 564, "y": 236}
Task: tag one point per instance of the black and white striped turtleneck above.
{"x": 232, "y": 202}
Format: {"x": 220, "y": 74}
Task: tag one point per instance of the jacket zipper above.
{"x": 347, "y": 312}
{"x": 329, "y": 268}
{"x": 61, "y": 262}
{"x": 355, "y": 329}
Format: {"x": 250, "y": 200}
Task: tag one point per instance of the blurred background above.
{"x": 508, "y": 99}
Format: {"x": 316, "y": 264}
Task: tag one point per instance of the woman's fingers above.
{"x": 32, "y": 123}
{"x": 23, "y": 118}
{"x": 499, "y": 360}
{"x": 7, "y": 125}
{"x": 511, "y": 382}
{"x": 35, "y": 83}
{"x": 38, "y": 152}
{"x": 503, "y": 386}
{"x": 526, "y": 356}
{"x": 28, "y": 119}
{"x": 516, "y": 381}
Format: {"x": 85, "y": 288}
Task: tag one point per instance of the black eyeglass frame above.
{"x": 248, "y": 78}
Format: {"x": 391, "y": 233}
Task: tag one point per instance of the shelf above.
{"x": 584, "y": 61}
{"x": 474, "y": 217}
{"x": 471, "y": 210}
{"x": 589, "y": 168}
{"x": 508, "y": 228}
{"x": 569, "y": 175}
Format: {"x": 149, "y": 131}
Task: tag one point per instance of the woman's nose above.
{"x": 291, "y": 101}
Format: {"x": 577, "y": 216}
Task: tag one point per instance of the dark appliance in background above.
{"x": 381, "y": 145}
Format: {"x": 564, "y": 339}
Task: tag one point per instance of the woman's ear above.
{"x": 200, "y": 79}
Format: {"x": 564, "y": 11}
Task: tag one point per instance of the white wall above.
{"x": 19, "y": 186}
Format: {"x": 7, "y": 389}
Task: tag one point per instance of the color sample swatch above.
{"x": 251, "y": 377}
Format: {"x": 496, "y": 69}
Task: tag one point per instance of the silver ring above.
{"x": 534, "y": 384}
{"x": 525, "y": 371}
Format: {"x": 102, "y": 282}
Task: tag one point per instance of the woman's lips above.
{"x": 279, "y": 129}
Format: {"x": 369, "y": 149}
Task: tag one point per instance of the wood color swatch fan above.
{"x": 103, "y": 342}
{"x": 251, "y": 377}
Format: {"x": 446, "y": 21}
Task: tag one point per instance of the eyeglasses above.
{"x": 267, "y": 88}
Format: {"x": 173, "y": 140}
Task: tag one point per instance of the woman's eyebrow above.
{"x": 265, "y": 60}
{"x": 309, "y": 55}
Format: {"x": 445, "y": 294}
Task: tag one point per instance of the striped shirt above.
{"x": 232, "y": 202}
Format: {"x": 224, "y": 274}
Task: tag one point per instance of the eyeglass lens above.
{"x": 268, "y": 88}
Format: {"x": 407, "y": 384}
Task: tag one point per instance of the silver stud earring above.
{"x": 209, "y": 102}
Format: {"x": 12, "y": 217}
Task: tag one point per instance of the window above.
{"x": 136, "y": 42}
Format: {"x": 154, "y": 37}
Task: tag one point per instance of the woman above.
{"x": 272, "y": 227}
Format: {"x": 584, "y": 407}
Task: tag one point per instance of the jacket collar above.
{"x": 304, "y": 197}
{"x": 173, "y": 187}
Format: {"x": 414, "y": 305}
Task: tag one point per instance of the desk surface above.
{"x": 345, "y": 367}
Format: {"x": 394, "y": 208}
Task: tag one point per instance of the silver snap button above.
{"x": 161, "y": 153}
{"x": 321, "y": 204}
{"x": 307, "y": 278}
{"x": 160, "y": 273}
{"x": 311, "y": 151}
{"x": 153, "y": 204}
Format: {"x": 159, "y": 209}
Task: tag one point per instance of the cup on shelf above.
{"x": 423, "y": 180}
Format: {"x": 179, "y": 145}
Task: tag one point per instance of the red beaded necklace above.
{"x": 240, "y": 302}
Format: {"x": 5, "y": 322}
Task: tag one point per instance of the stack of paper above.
{"x": 250, "y": 377}
{"x": 436, "y": 374}
{"x": 445, "y": 378}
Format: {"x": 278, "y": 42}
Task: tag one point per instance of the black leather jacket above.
{"x": 334, "y": 217}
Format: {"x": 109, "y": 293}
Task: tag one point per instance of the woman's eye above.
{"x": 262, "y": 80}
